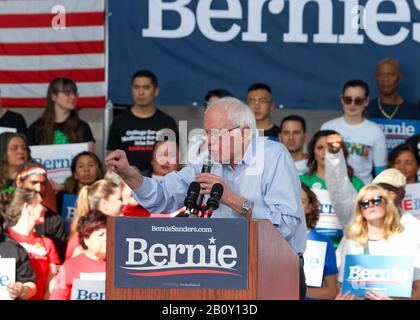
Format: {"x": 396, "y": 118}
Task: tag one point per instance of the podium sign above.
{"x": 181, "y": 253}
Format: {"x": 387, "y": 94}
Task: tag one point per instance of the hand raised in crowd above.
{"x": 117, "y": 161}
{"x": 334, "y": 143}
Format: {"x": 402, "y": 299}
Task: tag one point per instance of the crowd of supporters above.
{"x": 352, "y": 187}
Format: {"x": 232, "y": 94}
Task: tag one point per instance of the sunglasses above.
{"x": 357, "y": 101}
{"x": 376, "y": 201}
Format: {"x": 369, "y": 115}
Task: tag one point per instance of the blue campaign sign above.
{"x": 181, "y": 253}
{"x": 68, "y": 210}
{"x": 305, "y": 50}
{"x": 388, "y": 275}
{"x": 397, "y": 130}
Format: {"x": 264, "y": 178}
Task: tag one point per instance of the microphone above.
{"x": 205, "y": 169}
{"x": 191, "y": 198}
{"x": 216, "y": 194}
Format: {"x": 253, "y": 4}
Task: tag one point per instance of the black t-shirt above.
{"x": 14, "y": 120}
{"x": 9, "y": 248}
{"x": 273, "y": 132}
{"x": 137, "y": 136}
{"x": 53, "y": 228}
{"x": 59, "y": 136}
{"x": 406, "y": 111}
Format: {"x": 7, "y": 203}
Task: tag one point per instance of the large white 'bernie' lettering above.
{"x": 368, "y": 19}
{"x": 160, "y": 256}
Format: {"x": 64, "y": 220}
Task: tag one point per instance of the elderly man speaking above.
{"x": 258, "y": 175}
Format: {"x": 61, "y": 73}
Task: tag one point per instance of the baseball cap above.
{"x": 392, "y": 177}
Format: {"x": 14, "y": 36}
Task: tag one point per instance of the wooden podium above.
{"x": 273, "y": 272}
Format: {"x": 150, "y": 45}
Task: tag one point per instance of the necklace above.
{"x": 386, "y": 115}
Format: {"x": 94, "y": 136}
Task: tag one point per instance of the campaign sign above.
{"x": 56, "y": 158}
{"x": 68, "y": 210}
{"x": 88, "y": 290}
{"x": 7, "y": 275}
{"x": 181, "y": 253}
{"x": 314, "y": 258}
{"x": 388, "y": 275}
{"x": 397, "y": 130}
{"x": 411, "y": 201}
{"x": 328, "y": 223}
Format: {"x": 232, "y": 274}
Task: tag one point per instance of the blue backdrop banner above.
{"x": 304, "y": 49}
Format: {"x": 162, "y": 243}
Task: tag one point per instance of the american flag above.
{"x": 44, "y": 39}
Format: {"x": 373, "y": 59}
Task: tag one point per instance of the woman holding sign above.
{"x": 60, "y": 123}
{"x": 24, "y": 286}
{"x": 328, "y": 288}
{"x": 25, "y": 211}
{"x": 376, "y": 230}
{"x": 92, "y": 231}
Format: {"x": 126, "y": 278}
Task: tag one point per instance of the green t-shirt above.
{"x": 311, "y": 179}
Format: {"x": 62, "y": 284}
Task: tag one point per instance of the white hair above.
{"x": 237, "y": 112}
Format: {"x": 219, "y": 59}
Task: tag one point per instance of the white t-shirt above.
{"x": 366, "y": 145}
{"x": 402, "y": 244}
{"x": 301, "y": 166}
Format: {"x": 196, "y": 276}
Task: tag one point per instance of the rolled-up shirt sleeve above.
{"x": 288, "y": 226}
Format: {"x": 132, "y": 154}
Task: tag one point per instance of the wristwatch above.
{"x": 247, "y": 206}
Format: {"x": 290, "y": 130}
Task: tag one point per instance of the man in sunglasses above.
{"x": 364, "y": 139}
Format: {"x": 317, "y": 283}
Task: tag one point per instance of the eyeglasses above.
{"x": 68, "y": 93}
{"x": 217, "y": 133}
{"x": 376, "y": 201}
{"x": 357, "y": 101}
{"x": 254, "y": 102}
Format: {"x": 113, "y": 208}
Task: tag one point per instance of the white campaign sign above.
{"x": 314, "y": 258}
{"x": 56, "y": 158}
{"x": 7, "y": 275}
{"x": 88, "y": 290}
{"x": 327, "y": 216}
{"x": 411, "y": 201}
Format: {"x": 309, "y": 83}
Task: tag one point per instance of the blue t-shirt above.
{"x": 330, "y": 266}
